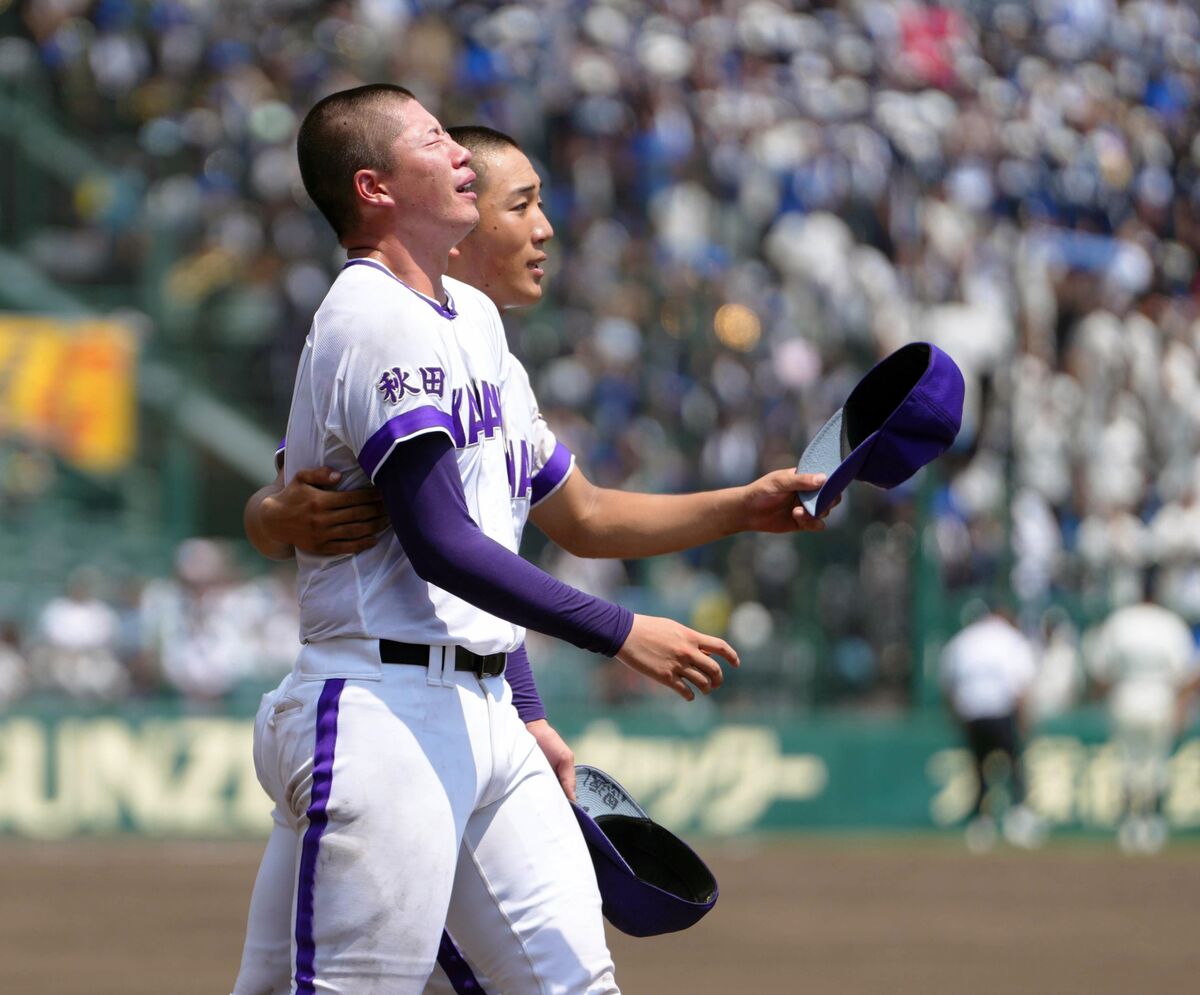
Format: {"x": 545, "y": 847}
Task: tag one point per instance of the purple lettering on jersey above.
{"x": 493, "y": 417}
{"x": 518, "y": 482}
{"x": 483, "y": 416}
{"x": 460, "y": 435}
{"x": 433, "y": 379}
{"x": 525, "y": 483}
{"x": 393, "y": 384}
{"x": 547, "y": 479}
{"x": 475, "y": 425}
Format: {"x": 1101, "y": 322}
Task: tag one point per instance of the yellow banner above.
{"x": 70, "y": 386}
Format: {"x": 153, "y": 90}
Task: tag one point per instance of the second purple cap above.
{"x": 903, "y": 414}
{"x": 651, "y": 882}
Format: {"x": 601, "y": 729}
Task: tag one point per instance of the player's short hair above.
{"x": 343, "y": 133}
{"x": 481, "y": 140}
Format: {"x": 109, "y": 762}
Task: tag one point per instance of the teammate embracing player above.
{"x": 408, "y": 792}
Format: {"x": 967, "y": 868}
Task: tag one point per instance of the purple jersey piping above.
{"x": 395, "y": 430}
{"x": 322, "y": 783}
{"x": 462, "y": 978}
{"x": 446, "y": 310}
{"x": 547, "y": 480}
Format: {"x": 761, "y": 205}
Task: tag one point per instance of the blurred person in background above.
{"x": 14, "y": 670}
{"x": 130, "y": 642}
{"x": 75, "y": 649}
{"x": 986, "y": 672}
{"x": 1059, "y": 681}
{"x": 1143, "y": 658}
{"x": 194, "y": 625}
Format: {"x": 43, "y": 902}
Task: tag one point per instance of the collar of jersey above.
{"x": 445, "y": 310}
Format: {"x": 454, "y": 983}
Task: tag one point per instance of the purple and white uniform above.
{"x": 538, "y": 463}
{"x": 414, "y": 796}
{"x": 384, "y": 364}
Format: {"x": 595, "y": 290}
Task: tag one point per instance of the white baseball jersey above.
{"x": 986, "y": 668}
{"x": 538, "y": 464}
{"x": 533, "y": 818}
{"x": 383, "y": 364}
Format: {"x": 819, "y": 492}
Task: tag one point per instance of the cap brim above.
{"x": 598, "y": 793}
{"x": 825, "y": 455}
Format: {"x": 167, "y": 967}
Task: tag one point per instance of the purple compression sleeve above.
{"x": 422, "y": 490}
{"x": 519, "y": 675}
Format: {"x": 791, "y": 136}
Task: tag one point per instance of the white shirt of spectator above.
{"x": 383, "y": 364}
{"x": 986, "y": 668}
{"x": 82, "y": 626}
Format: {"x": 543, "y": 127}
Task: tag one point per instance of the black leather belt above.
{"x": 416, "y": 654}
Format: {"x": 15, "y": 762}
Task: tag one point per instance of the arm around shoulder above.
{"x": 309, "y": 515}
{"x": 254, "y": 522}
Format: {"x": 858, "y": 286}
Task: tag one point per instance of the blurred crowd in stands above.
{"x": 753, "y": 201}
{"x": 201, "y": 633}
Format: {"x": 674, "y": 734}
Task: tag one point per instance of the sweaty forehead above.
{"x": 505, "y": 170}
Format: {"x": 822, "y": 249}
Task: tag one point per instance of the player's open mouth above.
{"x": 465, "y": 188}
{"x": 535, "y": 266}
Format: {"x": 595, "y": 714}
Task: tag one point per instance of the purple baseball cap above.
{"x": 651, "y": 882}
{"x": 903, "y": 414}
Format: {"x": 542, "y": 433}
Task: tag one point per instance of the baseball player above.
{"x": 393, "y": 750}
{"x": 1144, "y": 656}
{"x": 503, "y": 256}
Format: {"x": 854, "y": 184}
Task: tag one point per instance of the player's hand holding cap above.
{"x": 903, "y": 414}
{"x": 651, "y": 882}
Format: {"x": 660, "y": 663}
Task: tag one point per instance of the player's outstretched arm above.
{"x": 423, "y": 492}
{"x": 675, "y": 656}
{"x": 306, "y": 514}
{"x": 587, "y": 520}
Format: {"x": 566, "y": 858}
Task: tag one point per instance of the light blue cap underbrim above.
{"x": 599, "y": 794}
{"x": 823, "y": 455}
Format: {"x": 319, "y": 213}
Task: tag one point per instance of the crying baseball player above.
{"x": 502, "y": 256}
{"x": 417, "y": 796}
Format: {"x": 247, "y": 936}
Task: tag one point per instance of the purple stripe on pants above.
{"x": 462, "y": 978}
{"x": 322, "y": 782}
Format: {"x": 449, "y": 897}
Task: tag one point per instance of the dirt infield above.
{"x": 806, "y": 916}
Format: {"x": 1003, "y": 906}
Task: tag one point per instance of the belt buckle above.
{"x": 489, "y": 665}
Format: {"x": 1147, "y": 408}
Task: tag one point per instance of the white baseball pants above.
{"x": 407, "y": 799}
